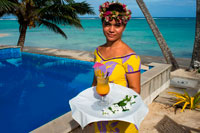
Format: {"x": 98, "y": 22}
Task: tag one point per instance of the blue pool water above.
{"x": 36, "y": 89}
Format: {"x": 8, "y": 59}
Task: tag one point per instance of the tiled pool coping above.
{"x": 153, "y": 82}
{"x": 8, "y": 46}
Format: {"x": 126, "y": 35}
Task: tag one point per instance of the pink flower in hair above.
{"x": 100, "y": 9}
{"x": 103, "y": 5}
{"x": 108, "y": 13}
{"x": 107, "y": 18}
{"x": 120, "y": 21}
{"x": 107, "y": 4}
{"x": 129, "y": 17}
{"x": 124, "y": 6}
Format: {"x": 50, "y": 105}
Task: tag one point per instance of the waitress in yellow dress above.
{"x": 120, "y": 61}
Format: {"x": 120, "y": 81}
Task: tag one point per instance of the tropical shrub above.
{"x": 191, "y": 102}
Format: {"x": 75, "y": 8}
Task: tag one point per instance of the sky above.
{"x": 157, "y": 8}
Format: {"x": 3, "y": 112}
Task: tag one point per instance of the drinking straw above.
{"x": 107, "y": 74}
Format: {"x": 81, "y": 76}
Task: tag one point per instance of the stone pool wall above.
{"x": 9, "y": 52}
{"x": 154, "y": 81}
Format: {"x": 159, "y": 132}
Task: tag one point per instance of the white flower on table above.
{"x": 128, "y": 106}
{"x": 116, "y": 108}
{"x": 121, "y": 106}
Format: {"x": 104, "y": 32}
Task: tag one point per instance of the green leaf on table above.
{"x": 122, "y": 103}
{"x": 111, "y": 109}
{"x": 132, "y": 103}
{"x": 125, "y": 110}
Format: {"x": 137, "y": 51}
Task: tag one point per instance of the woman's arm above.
{"x": 134, "y": 81}
{"x": 94, "y": 83}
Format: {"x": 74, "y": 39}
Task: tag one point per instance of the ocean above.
{"x": 179, "y": 34}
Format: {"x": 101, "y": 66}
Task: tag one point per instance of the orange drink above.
{"x": 102, "y": 87}
{"x": 102, "y": 90}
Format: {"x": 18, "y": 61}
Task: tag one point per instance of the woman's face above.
{"x": 113, "y": 30}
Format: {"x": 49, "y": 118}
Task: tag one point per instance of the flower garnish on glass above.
{"x": 102, "y": 87}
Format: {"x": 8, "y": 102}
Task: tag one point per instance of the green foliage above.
{"x": 5, "y": 6}
{"x": 199, "y": 70}
{"x": 188, "y": 101}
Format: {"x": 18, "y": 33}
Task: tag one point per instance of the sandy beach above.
{"x": 3, "y": 35}
{"x": 163, "y": 119}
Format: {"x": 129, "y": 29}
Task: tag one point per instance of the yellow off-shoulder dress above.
{"x": 117, "y": 68}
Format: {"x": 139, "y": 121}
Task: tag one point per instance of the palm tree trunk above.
{"x": 161, "y": 41}
{"x": 196, "y": 47}
{"x": 22, "y": 36}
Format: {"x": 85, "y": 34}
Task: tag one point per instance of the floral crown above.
{"x": 109, "y": 15}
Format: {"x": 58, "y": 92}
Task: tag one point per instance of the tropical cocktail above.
{"x": 102, "y": 89}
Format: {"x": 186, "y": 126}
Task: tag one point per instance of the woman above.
{"x": 122, "y": 64}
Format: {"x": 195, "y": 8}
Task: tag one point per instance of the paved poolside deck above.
{"x": 88, "y": 56}
{"x": 8, "y": 46}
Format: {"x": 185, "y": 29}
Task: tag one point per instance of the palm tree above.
{"x": 49, "y": 13}
{"x": 196, "y": 48}
{"x": 161, "y": 41}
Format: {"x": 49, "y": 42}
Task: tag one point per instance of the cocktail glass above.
{"x": 102, "y": 89}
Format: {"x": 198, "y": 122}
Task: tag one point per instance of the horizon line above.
{"x": 99, "y": 18}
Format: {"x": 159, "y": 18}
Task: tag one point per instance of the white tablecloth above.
{"x": 85, "y": 109}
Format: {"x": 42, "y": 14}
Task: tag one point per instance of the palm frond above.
{"x": 64, "y": 20}
{"x": 184, "y": 106}
{"x": 82, "y": 8}
{"x": 58, "y": 9}
{"x": 192, "y": 103}
{"x": 197, "y": 100}
{"x": 69, "y": 1}
{"x": 185, "y": 98}
{"x": 181, "y": 101}
{"x": 6, "y": 6}
{"x": 52, "y": 27}
{"x": 197, "y": 94}
{"x": 60, "y": 15}
{"x": 42, "y": 3}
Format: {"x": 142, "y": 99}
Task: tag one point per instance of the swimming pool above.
{"x": 36, "y": 89}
